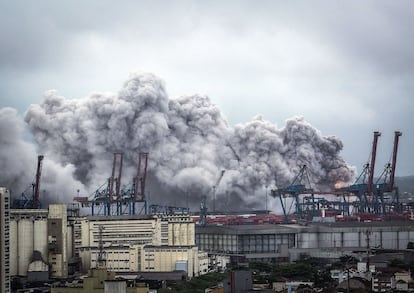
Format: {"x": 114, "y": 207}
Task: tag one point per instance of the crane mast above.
{"x": 215, "y": 187}
{"x": 139, "y": 180}
{"x": 394, "y": 159}
{"x": 36, "y": 186}
{"x": 113, "y": 181}
{"x": 113, "y": 199}
{"x": 372, "y": 165}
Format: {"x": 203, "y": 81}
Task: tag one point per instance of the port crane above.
{"x": 203, "y": 203}
{"x": 299, "y": 185}
{"x": 131, "y": 197}
{"x": 362, "y": 188}
{"x": 111, "y": 199}
{"x": 370, "y": 195}
{"x": 26, "y": 202}
{"x": 385, "y": 183}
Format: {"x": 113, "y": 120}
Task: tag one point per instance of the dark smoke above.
{"x": 188, "y": 140}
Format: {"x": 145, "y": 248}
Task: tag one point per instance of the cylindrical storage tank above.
{"x": 13, "y": 247}
{"x": 25, "y": 245}
{"x": 69, "y": 243}
{"x": 40, "y": 237}
{"x": 115, "y": 286}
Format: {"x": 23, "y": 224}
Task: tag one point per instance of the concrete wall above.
{"x": 380, "y": 236}
{"x": 325, "y": 240}
{"x": 164, "y": 259}
{"x": 28, "y": 233}
{"x": 57, "y": 240}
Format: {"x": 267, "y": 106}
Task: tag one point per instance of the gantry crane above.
{"x": 138, "y": 186}
{"x": 203, "y": 203}
{"x": 369, "y": 194}
{"x": 33, "y": 202}
{"x": 300, "y": 185}
{"x": 385, "y": 182}
{"x": 113, "y": 200}
{"x": 362, "y": 188}
{"x": 105, "y": 197}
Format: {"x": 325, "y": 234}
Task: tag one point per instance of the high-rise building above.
{"x": 4, "y": 240}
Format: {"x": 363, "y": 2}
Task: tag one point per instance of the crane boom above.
{"x": 394, "y": 159}
{"x": 372, "y": 165}
{"x": 36, "y": 202}
{"x": 139, "y": 180}
{"x": 115, "y": 181}
{"x": 215, "y": 187}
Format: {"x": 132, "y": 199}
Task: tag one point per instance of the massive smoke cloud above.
{"x": 19, "y": 161}
{"x": 188, "y": 140}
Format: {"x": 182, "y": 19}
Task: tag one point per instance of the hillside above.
{"x": 405, "y": 184}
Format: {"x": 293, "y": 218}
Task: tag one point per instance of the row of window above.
{"x": 166, "y": 250}
{"x": 245, "y": 243}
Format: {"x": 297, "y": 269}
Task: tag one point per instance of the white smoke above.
{"x": 188, "y": 140}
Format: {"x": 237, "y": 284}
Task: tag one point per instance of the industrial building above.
{"x": 56, "y": 242}
{"x": 4, "y": 240}
{"x": 51, "y": 242}
{"x": 164, "y": 243}
{"x": 269, "y": 243}
{"x": 275, "y": 243}
{"x": 44, "y": 231}
{"x": 157, "y": 243}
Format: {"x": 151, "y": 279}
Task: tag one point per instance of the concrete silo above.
{"x": 24, "y": 244}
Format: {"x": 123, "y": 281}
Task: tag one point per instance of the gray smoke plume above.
{"x": 188, "y": 140}
{"x": 273, "y": 157}
{"x": 19, "y": 164}
{"x": 15, "y": 154}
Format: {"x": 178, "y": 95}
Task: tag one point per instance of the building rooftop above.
{"x": 247, "y": 229}
{"x": 310, "y": 227}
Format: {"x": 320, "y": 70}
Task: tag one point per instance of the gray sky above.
{"x": 347, "y": 67}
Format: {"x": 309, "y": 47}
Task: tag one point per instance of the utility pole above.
{"x": 368, "y": 234}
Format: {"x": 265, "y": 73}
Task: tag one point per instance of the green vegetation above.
{"x": 306, "y": 269}
{"x": 197, "y": 284}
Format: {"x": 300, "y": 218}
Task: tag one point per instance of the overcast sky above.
{"x": 347, "y": 67}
